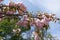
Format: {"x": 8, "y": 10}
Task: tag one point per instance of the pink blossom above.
{"x": 0, "y": 19}
{"x": 22, "y": 7}
{"x": 38, "y": 23}
{"x": 1, "y": 0}
{"x": 36, "y": 36}
{"x": 25, "y": 17}
{"x": 20, "y": 23}
{"x": 24, "y": 21}
{"x": 11, "y": 4}
{"x": 10, "y": 12}
{"x": 45, "y": 20}
{"x": 20, "y": 12}
{"x": 19, "y": 4}
{"x": 0, "y": 15}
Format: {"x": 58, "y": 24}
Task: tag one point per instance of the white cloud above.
{"x": 18, "y": 1}
{"x": 53, "y": 5}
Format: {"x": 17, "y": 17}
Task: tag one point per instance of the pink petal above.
{"x": 1, "y": 0}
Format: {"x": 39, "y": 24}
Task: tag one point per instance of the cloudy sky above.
{"x": 50, "y": 6}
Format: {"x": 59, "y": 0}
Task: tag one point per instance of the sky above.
{"x": 50, "y": 6}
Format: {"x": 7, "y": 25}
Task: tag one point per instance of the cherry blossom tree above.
{"x": 11, "y": 24}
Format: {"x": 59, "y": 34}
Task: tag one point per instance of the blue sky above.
{"x": 50, "y": 6}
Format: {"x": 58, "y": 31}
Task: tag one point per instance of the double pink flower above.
{"x": 38, "y": 23}
{"x": 24, "y": 22}
{"x": 45, "y": 20}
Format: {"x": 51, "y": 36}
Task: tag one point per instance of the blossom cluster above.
{"x": 39, "y": 23}
{"x": 27, "y": 20}
{"x": 12, "y": 8}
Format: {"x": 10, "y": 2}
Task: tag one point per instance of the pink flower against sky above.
{"x": 24, "y": 21}
{"x": 11, "y": 4}
{"x": 22, "y": 6}
{"x": 38, "y": 23}
{"x": 45, "y": 20}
